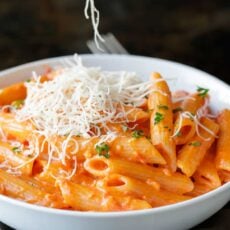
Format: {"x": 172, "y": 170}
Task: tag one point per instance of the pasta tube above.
{"x": 86, "y": 198}
{"x": 191, "y": 154}
{"x": 12, "y": 93}
{"x": 206, "y": 173}
{"x": 161, "y": 121}
{"x": 136, "y": 149}
{"x": 123, "y": 185}
{"x": 174, "y": 182}
{"x": 223, "y": 146}
{"x": 23, "y": 189}
{"x": 13, "y": 157}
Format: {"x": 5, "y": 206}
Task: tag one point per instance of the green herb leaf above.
{"x": 202, "y": 92}
{"x": 103, "y": 150}
{"x": 16, "y": 149}
{"x": 17, "y": 104}
{"x": 178, "y": 109}
{"x": 195, "y": 143}
{"x": 137, "y": 133}
{"x": 165, "y": 107}
{"x": 106, "y": 155}
{"x": 158, "y": 118}
{"x": 28, "y": 80}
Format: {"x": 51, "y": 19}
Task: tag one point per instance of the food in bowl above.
{"x": 79, "y": 138}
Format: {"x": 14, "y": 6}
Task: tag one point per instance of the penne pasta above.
{"x": 207, "y": 173}
{"x": 178, "y": 97}
{"x": 175, "y": 182}
{"x": 12, "y": 129}
{"x": 23, "y": 189}
{"x": 129, "y": 203}
{"x": 85, "y": 198}
{"x": 192, "y": 103}
{"x": 223, "y": 147}
{"x": 12, "y": 93}
{"x": 55, "y": 171}
{"x": 191, "y": 154}
{"x": 224, "y": 176}
{"x": 134, "y": 114}
{"x": 14, "y": 157}
{"x": 199, "y": 189}
{"x": 123, "y": 185}
{"x": 136, "y": 149}
{"x": 161, "y": 120}
{"x": 184, "y": 130}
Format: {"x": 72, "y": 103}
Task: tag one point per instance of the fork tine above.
{"x": 115, "y": 44}
{"x": 105, "y": 48}
{"x": 111, "y": 46}
{"x": 93, "y": 48}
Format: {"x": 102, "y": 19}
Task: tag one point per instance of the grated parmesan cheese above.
{"x": 79, "y": 101}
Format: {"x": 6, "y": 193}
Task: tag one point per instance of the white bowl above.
{"x": 183, "y": 215}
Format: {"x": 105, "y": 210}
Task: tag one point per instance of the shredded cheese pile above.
{"x": 81, "y": 100}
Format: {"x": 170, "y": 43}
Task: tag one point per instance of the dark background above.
{"x": 194, "y": 32}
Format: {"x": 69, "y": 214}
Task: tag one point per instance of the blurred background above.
{"x": 195, "y": 32}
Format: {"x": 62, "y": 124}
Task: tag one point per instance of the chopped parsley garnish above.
{"x": 202, "y": 92}
{"x": 158, "y": 118}
{"x": 165, "y": 107}
{"x": 28, "y": 80}
{"x": 137, "y": 133}
{"x": 106, "y": 155}
{"x": 124, "y": 128}
{"x": 103, "y": 150}
{"x": 16, "y": 149}
{"x": 17, "y": 104}
{"x": 178, "y": 109}
{"x": 195, "y": 143}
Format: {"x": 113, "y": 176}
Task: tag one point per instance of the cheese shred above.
{"x": 95, "y": 19}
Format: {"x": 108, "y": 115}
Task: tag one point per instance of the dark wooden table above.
{"x": 196, "y": 33}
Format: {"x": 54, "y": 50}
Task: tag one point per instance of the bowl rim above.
{"x": 103, "y": 56}
{"x": 115, "y": 214}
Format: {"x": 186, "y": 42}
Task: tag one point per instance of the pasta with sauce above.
{"x": 79, "y": 138}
